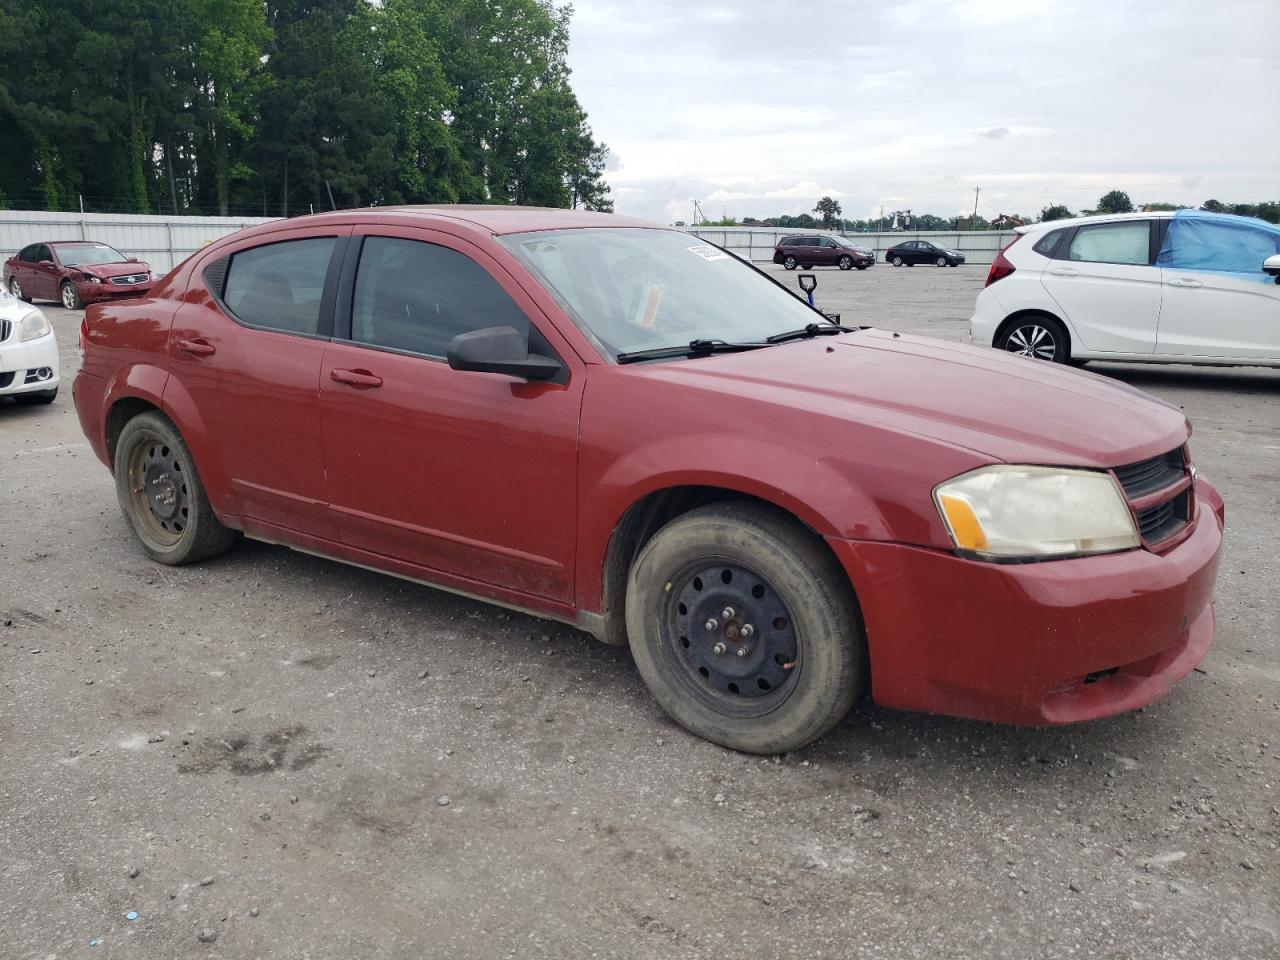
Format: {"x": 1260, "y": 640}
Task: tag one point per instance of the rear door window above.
{"x": 280, "y": 286}
{"x": 1123, "y": 243}
{"x": 416, "y": 297}
{"x": 1047, "y": 244}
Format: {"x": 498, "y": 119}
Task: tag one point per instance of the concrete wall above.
{"x": 757, "y": 243}
{"x": 163, "y": 242}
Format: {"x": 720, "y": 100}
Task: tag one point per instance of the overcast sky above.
{"x": 760, "y": 107}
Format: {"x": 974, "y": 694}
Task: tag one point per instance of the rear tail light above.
{"x": 1000, "y": 266}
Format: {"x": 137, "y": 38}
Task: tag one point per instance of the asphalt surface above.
{"x": 305, "y": 760}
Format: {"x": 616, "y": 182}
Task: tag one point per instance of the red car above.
{"x": 75, "y": 272}
{"x": 808, "y": 252}
{"x": 626, "y": 429}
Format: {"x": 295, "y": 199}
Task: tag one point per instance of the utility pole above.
{"x": 976, "y": 191}
{"x": 882, "y": 216}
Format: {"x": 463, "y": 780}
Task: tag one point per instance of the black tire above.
{"x": 35, "y": 399}
{"x": 807, "y": 266}
{"x": 955, "y": 263}
{"x": 1036, "y": 335}
{"x": 897, "y": 261}
{"x": 69, "y": 297}
{"x": 845, "y": 263}
{"x": 863, "y": 266}
{"x": 182, "y": 529}
{"x": 784, "y": 575}
{"x": 16, "y": 289}
{"x": 789, "y": 263}
{"x": 941, "y": 262}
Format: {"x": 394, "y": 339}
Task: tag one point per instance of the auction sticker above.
{"x": 708, "y": 252}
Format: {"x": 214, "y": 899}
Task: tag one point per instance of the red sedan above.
{"x": 75, "y": 272}
{"x": 623, "y": 428}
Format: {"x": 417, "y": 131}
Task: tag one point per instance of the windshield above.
{"x": 845, "y": 243}
{"x": 77, "y": 254}
{"x": 637, "y": 289}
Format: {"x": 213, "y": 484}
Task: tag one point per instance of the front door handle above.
{"x": 361, "y": 379}
{"x": 1183, "y": 282}
{"x": 197, "y": 347}
{"x": 1064, "y": 272}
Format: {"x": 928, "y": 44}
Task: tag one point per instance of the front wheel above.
{"x": 1037, "y": 336}
{"x": 70, "y": 298}
{"x": 896, "y": 261}
{"x": 744, "y": 628}
{"x": 845, "y": 263}
{"x": 789, "y": 263}
{"x": 161, "y": 494}
{"x": 16, "y": 289}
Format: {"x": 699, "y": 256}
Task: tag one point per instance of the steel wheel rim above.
{"x": 941, "y": 261}
{"x": 68, "y": 297}
{"x": 845, "y": 263}
{"x": 1032, "y": 340}
{"x": 158, "y": 489}
{"x": 789, "y": 263}
{"x": 702, "y": 644}
{"x": 897, "y": 261}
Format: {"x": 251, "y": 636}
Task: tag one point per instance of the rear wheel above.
{"x": 744, "y": 628}
{"x": 70, "y": 298}
{"x": 161, "y": 494}
{"x": 941, "y": 262}
{"x": 789, "y": 263}
{"x": 845, "y": 263}
{"x": 896, "y": 261}
{"x": 1038, "y": 336}
{"x": 16, "y": 289}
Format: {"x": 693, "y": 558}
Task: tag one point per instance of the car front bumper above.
{"x": 1036, "y": 644}
{"x": 97, "y": 292}
{"x": 30, "y": 367}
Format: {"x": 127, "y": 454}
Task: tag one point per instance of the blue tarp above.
{"x": 1219, "y": 243}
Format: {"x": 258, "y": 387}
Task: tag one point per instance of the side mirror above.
{"x": 132, "y": 260}
{"x": 499, "y": 350}
{"x": 1271, "y": 267}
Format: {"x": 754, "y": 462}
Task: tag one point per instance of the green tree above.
{"x": 1214, "y": 206}
{"x": 1117, "y": 201}
{"x": 829, "y": 210}
{"x": 1055, "y": 211}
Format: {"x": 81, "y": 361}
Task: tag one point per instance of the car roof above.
{"x": 493, "y": 218}
{"x": 1099, "y": 218}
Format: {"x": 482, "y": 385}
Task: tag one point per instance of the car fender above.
{"x": 185, "y": 414}
{"x": 826, "y": 498}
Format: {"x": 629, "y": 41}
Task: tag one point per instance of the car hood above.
{"x": 106, "y": 270}
{"x": 1005, "y": 407}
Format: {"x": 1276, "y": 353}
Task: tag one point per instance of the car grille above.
{"x": 6, "y": 327}
{"x": 131, "y": 279}
{"x": 1145, "y": 479}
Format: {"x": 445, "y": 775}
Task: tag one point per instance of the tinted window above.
{"x": 418, "y": 296}
{"x": 1048, "y": 243}
{"x": 28, "y": 254}
{"x": 43, "y": 253}
{"x": 1112, "y": 243}
{"x": 280, "y": 286}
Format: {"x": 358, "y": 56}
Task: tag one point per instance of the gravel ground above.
{"x": 271, "y": 755}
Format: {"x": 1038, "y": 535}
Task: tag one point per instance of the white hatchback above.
{"x": 28, "y": 353}
{"x": 1184, "y": 287}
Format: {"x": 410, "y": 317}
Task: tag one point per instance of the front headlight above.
{"x": 34, "y": 326}
{"x": 1011, "y": 512}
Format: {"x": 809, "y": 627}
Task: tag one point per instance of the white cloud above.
{"x": 757, "y": 109}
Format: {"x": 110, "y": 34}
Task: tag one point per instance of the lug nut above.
{"x": 743, "y": 651}
{"x": 718, "y": 649}
{"x": 712, "y": 624}
{"x": 747, "y": 630}
{"x": 727, "y": 613}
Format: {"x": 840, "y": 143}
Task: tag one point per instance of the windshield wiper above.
{"x": 694, "y": 348}
{"x": 810, "y": 330}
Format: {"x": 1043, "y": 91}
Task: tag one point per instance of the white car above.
{"x": 28, "y": 353}
{"x": 1184, "y": 287}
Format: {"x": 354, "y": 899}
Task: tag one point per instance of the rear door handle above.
{"x": 1182, "y": 282}
{"x": 1064, "y": 272}
{"x": 361, "y": 379}
{"x": 197, "y": 347}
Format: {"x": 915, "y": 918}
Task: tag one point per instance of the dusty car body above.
{"x": 775, "y": 524}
